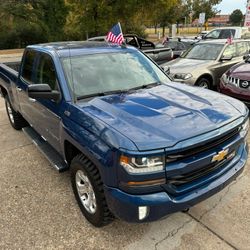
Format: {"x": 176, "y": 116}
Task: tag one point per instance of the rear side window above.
{"x": 46, "y": 73}
{"x": 29, "y": 59}
{"x": 224, "y": 34}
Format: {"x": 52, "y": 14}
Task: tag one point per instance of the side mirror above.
{"x": 166, "y": 69}
{"x": 245, "y": 57}
{"x": 226, "y": 58}
{"x": 43, "y": 91}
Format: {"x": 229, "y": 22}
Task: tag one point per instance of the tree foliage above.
{"x": 202, "y": 6}
{"x": 25, "y": 22}
{"x": 236, "y": 17}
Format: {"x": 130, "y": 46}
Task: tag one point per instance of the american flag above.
{"x": 230, "y": 38}
{"x": 115, "y": 35}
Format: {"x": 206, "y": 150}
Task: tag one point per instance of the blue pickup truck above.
{"x": 138, "y": 145}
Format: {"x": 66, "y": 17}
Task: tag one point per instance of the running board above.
{"x": 48, "y": 151}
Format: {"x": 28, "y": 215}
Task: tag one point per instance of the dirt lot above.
{"x": 38, "y": 210}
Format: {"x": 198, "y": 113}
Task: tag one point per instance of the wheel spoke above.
{"x": 85, "y": 191}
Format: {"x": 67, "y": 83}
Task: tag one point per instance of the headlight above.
{"x": 183, "y": 76}
{"x": 225, "y": 79}
{"x": 142, "y": 164}
{"x": 245, "y": 126}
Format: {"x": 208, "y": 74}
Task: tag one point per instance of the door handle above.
{"x": 32, "y": 100}
{"x": 19, "y": 89}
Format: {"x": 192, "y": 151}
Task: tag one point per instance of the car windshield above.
{"x": 103, "y": 73}
{"x": 204, "y": 51}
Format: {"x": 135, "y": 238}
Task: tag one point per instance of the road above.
{"x": 38, "y": 210}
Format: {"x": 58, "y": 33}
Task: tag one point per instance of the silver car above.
{"x": 206, "y": 61}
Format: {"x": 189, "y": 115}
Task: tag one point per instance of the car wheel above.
{"x": 88, "y": 189}
{"x": 15, "y": 118}
{"x": 204, "y": 83}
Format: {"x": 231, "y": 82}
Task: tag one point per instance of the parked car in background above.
{"x": 206, "y": 61}
{"x": 159, "y": 54}
{"x": 202, "y": 34}
{"x": 226, "y": 32}
{"x": 236, "y": 82}
{"x": 179, "y": 45}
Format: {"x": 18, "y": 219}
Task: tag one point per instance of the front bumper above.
{"x": 125, "y": 206}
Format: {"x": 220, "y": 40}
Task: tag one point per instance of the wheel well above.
{"x": 206, "y": 76}
{"x": 3, "y": 91}
{"x": 70, "y": 151}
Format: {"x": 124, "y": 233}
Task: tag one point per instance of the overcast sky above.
{"x": 228, "y": 6}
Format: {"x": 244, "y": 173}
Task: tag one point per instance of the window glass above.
{"x": 46, "y": 73}
{"x": 230, "y": 51}
{"x": 28, "y": 65}
{"x": 224, "y": 34}
{"x": 242, "y": 48}
{"x": 204, "y": 51}
{"x": 213, "y": 34}
{"x": 98, "y": 73}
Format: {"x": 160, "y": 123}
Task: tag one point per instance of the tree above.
{"x": 202, "y": 6}
{"x": 236, "y": 17}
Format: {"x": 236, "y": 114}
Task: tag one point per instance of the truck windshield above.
{"x": 204, "y": 51}
{"x": 98, "y": 74}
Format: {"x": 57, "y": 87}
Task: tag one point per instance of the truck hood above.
{"x": 162, "y": 116}
{"x": 240, "y": 71}
{"x": 183, "y": 65}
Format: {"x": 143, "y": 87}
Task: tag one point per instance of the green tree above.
{"x": 236, "y": 17}
{"x": 202, "y": 6}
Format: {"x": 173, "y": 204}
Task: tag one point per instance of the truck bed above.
{"x": 13, "y": 65}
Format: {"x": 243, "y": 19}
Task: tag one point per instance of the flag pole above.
{"x": 123, "y": 45}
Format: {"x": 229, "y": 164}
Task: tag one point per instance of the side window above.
{"x": 28, "y": 63}
{"x": 242, "y": 48}
{"x": 227, "y": 33}
{"x": 213, "y": 34}
{"x": 46, "y": 73}
{"x": 230, "y": 51}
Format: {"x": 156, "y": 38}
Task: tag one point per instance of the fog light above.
{"x": 143, "y": 212}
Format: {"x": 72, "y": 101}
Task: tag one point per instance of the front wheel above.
{"x": 88, "y": 189}
{"x": 15, "y": 118}
{"x": 204, "y": 83}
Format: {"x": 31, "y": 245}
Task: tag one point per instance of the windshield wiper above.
{"x": 125, "y": 91}
{"x": 101, "y": 94}
{"x": 145, "y": 86}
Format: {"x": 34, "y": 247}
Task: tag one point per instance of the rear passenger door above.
{"x": 28, "y": 106}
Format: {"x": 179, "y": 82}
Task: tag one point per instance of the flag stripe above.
{"x": 115, "y": 35}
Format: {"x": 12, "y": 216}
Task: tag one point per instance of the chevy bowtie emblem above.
{"x": 220, "y": 156}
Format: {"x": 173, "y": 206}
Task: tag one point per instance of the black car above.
{"x": 179, "y": 46}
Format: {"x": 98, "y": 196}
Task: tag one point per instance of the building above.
{"x": 218, "y": 20}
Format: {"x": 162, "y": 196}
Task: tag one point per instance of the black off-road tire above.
{"x": 204, "y": 83}
{"x": 102, "y": 215}
{"x": 15, "y": 118}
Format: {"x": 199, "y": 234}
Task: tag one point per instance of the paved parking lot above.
{"x": 38, "y": 210}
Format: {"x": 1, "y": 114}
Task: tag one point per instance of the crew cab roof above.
{"x": 74, "y": 48}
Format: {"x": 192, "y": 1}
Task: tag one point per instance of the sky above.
{"x": 228, "y": 6}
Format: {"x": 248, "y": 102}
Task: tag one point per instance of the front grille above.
{"x": 192, "y": 176}
{"x": 201, "y": 148}
{"x": 245, "y": 84}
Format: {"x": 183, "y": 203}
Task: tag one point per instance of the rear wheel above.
{"x": 204, "y": 83}
{"x": 15, "y": 118}
{"x": 88, "y": 190}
